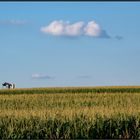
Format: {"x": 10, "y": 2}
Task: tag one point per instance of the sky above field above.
{"x": 46, "y": 44}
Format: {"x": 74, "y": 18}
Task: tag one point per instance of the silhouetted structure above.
{"x": 8, "y": 85}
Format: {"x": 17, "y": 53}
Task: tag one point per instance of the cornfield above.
{"x": 66, "y": 113}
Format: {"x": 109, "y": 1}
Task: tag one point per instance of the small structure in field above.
{"x": 8, "y": 85}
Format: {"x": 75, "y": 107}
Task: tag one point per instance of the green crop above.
{"x": 66, "y": 113}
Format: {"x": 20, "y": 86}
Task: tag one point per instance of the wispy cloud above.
{"x": 84, "y": 77}
{"x": 118, "y": 37}
{"x": 41, "y": 76}
{"x": 80, "y": 28}
{"x": 18, "y": 22}
{"x": 13, "y": 22}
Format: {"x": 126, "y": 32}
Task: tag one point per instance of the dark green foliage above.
{"x": 73, "y": 90}
{"x": 80, "y": 127}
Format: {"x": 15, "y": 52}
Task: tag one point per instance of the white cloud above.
{"x": 92, "y": 29}
{"x": 55, "y": 28}
{"x": 61, "y": 28}
{"x": 74, "y": 29}
{"x": 41, "y": 76}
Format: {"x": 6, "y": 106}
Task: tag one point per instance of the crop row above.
{"x": 28, "y": 114}
{"x": 79, "y": 127}
{"x": 74, "y": 90}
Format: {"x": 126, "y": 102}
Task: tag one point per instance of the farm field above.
{"x": 66, "y": 113}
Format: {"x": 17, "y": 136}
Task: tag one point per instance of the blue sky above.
{"x": 46, "y": 44}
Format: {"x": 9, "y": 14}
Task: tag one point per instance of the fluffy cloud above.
{"x": 41, "y": 76}
{"x": 92, "y": 29}
{"x": 61, "y": 28}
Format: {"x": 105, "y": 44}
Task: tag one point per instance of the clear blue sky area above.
{"x": 46, "y": 44}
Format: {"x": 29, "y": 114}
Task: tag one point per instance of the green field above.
{"x": 82, "y": 112}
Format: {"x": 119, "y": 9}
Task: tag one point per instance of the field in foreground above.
{"x": 102, "y": 112}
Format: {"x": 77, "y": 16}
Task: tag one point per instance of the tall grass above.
{"x": 73, "y": 113}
